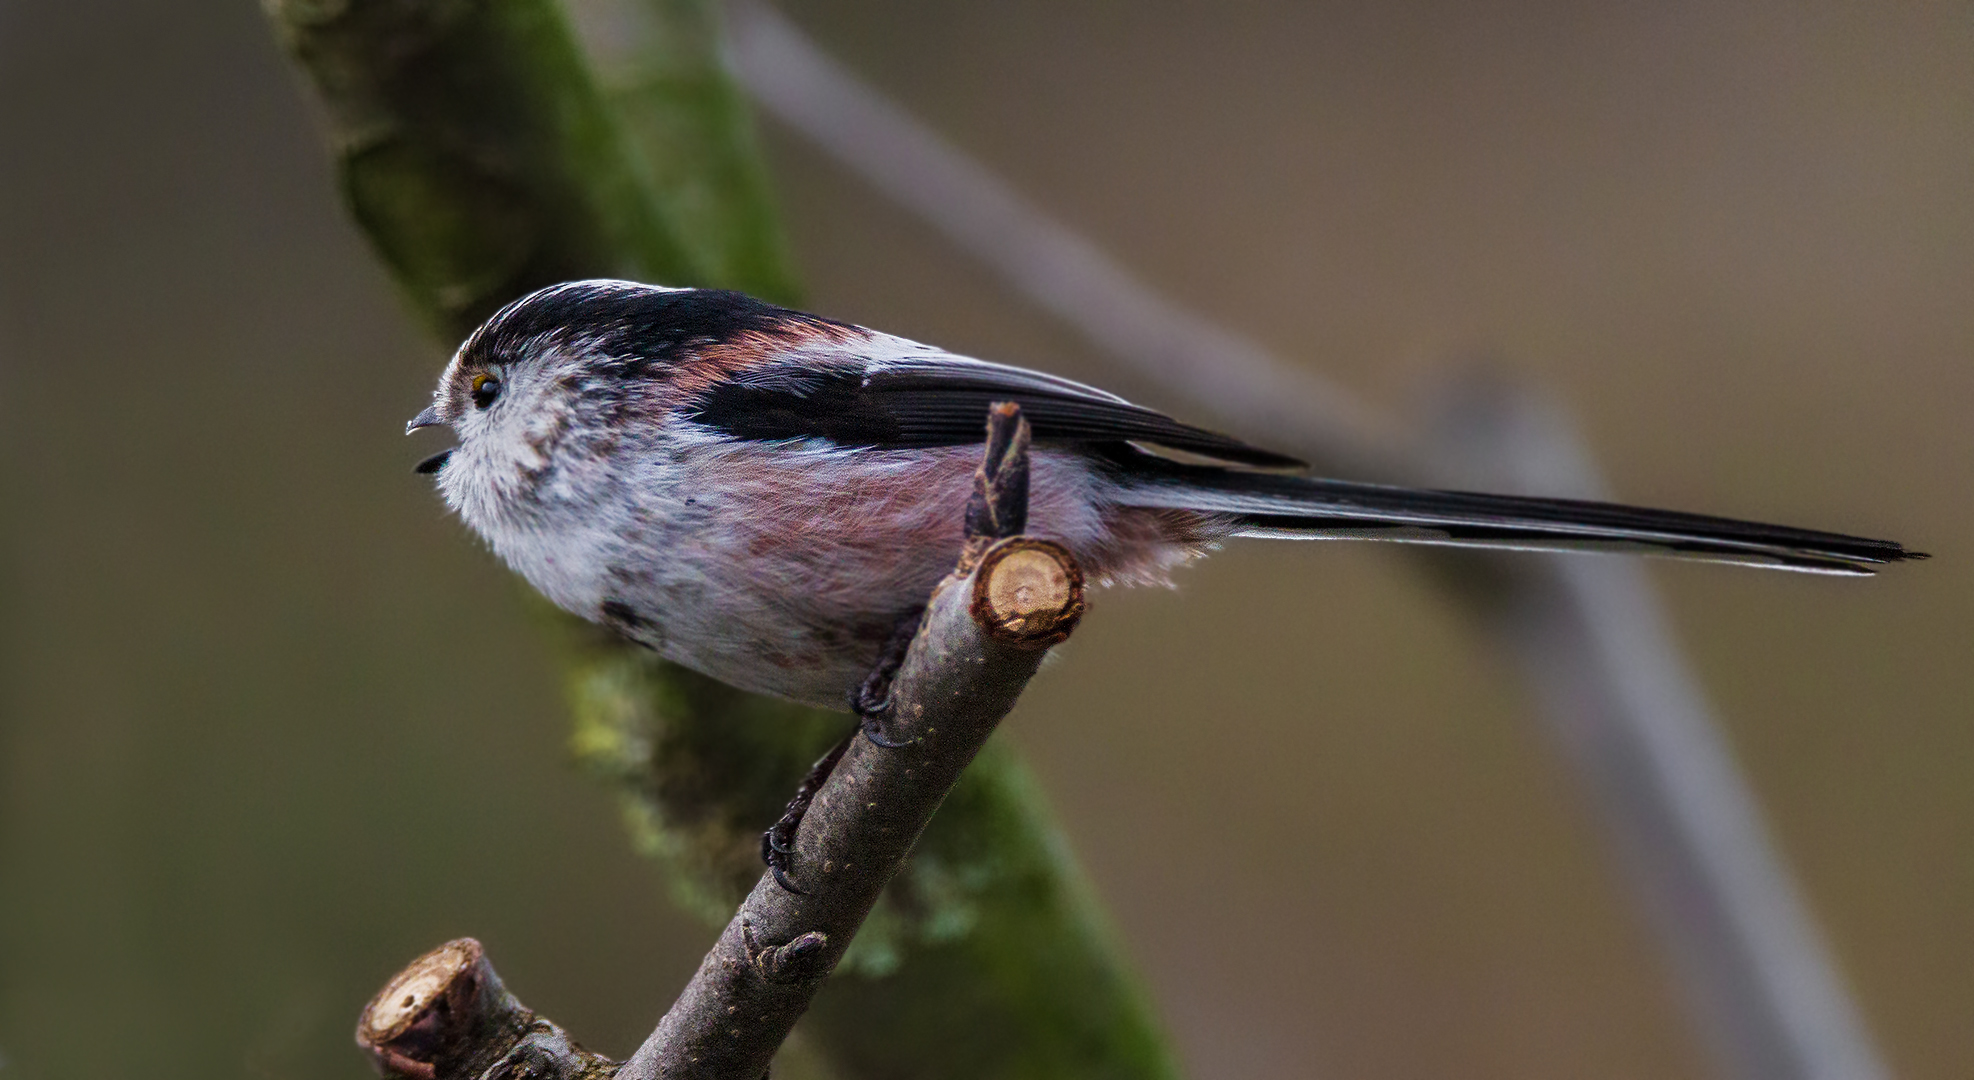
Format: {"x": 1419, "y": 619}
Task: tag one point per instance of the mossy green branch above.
{"x": 695, "y": 135}
{"x": 483, "y": 159}
{"x": 476, "y": 152}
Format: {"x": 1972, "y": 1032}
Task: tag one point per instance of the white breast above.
{"x": 776, "y": 567}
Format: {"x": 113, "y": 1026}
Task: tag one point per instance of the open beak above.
{"x": 428, "y": 418}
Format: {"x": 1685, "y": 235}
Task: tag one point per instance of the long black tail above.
{"x": 1295, "y": 507}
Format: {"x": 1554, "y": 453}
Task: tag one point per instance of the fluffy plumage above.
{"x": 762, "y": 494}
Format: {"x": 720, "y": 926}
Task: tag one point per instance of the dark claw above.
{"x": 873, "y": 729}
{"x": 872, "y": 704}
{"x": 778, "y": 843}
{"x": 781, "y": 879}
{"x": 872, "y": 701}
{"x": 778, "y": 840}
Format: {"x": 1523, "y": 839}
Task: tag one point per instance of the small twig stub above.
{"x": 998, "y": 507}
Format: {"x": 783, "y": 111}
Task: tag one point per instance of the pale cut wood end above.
{"x": 1028, "y": 592}
{"x": 413, "y": 991}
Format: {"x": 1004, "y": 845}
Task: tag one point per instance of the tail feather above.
{"x": 1272, "y": 505}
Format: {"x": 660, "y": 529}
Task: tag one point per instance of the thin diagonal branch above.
{"x": 1591, "y": 639}
{"x": 986, "y": 629}
{"x": 1056, "y": 269}
{"x": 961, "y": 676}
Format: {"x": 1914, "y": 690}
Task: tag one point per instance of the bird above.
{"x": 765, "y": 495}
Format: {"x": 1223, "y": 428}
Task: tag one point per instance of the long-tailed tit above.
{"x": 763, "y": 495}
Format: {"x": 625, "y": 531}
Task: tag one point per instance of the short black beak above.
{"x": 428, "y": 418}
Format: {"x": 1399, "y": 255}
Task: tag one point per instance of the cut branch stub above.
{"x": 1028, "y": 592}
{"x": 447, "y": 1016}
{"x": 428, "y": 1009}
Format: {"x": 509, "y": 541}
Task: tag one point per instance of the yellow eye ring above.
{"x": 485, "y": 389}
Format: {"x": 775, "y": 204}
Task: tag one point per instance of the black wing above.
{"x": 928, "y": 398}
{"x": 937, "y": 399}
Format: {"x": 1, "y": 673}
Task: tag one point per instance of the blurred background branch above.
{"x": 1586, "y": 632}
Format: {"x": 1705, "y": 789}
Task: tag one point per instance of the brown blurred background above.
{"x": 273, "y": 724}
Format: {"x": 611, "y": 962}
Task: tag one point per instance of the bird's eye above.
{"x": 485, "y": 389}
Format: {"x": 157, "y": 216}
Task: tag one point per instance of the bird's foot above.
{"x": 872, "y": 704}
{"x": 778, "y": 843}
{"x": 872, "y": 701}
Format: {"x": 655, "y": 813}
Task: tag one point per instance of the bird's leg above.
{"x": 778, "y": 843}
{"x": 997, "y": 510}
{"x": 872, "y": 701}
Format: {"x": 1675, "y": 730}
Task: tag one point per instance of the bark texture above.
{"x": 957, "y": 682}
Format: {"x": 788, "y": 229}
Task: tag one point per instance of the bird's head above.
{"x": 581, "y": 368}
{"x": 546, "y": 374}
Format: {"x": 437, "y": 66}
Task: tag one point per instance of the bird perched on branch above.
{"x": 765, "y": 495}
